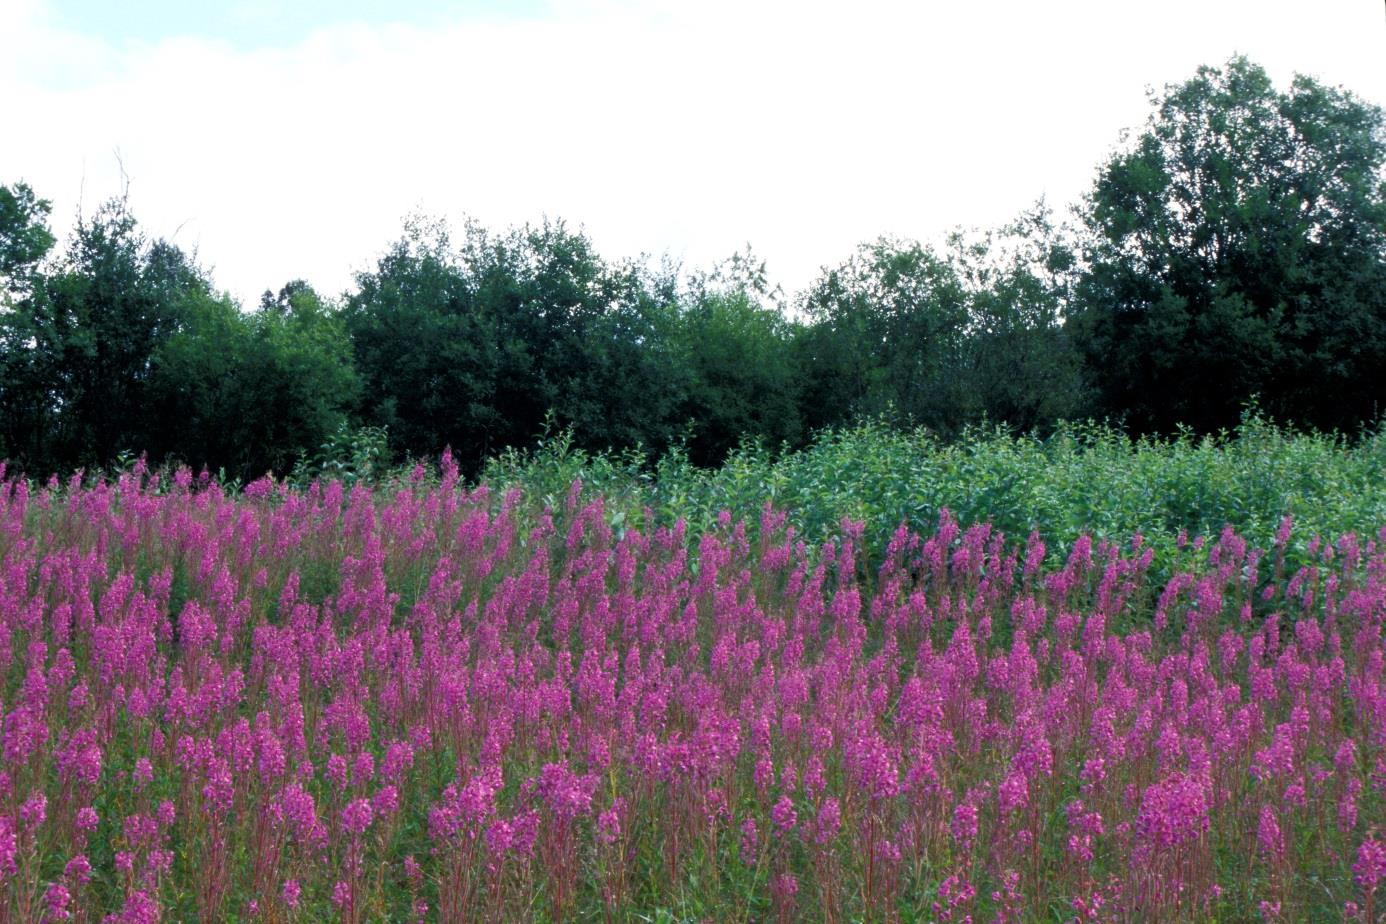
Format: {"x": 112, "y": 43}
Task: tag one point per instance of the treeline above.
{"x": 1232, "y": 251}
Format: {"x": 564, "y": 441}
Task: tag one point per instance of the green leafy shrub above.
{"x": 350, "y": 455}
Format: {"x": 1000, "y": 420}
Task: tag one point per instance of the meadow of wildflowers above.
{"x": 426, "y": 702}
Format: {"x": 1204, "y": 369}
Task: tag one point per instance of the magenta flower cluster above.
{"x": 429, "y": 703}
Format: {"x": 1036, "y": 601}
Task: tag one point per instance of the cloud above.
{"x": 802, "y": 128}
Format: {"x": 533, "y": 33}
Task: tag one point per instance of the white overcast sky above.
{"x": 291, "y": 145}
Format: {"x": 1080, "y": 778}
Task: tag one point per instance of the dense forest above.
{"x": 1232, "y": 251}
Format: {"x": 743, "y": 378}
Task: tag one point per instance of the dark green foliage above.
{"x": 1018, "y": 361}
{"x": 122, "y": 346}
{"x": 737, "y": 351}
{"x": 473, "y": 348}
{"x": 250, "y": 393}
{"x": 1237, "y": 248}
{"x": 24, "y": 242}
{"x": 428, "y": 365}
{"x": 886, "y": 338}
{"x": 24, "y": 238}
{"x": 348, "y": 455}
{"x": 79, "y": 345}
{"x": 906, "y": 334}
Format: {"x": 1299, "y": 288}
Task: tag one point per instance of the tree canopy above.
{"x": 1237, "y": 248}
